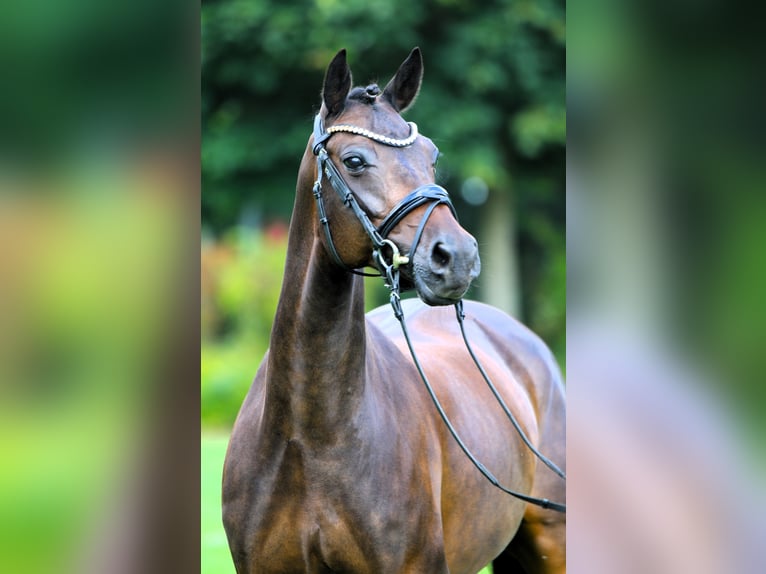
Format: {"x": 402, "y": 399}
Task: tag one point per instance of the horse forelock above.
{"x": 365, "y": 94}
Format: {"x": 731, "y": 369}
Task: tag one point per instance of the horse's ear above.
{"x": 337, "y": 83}
{"x": 403, "y": 88}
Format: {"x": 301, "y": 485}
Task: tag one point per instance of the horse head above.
{"x": 378, "y": 161}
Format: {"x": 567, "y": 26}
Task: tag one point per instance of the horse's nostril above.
{"x": 441, "y": 255}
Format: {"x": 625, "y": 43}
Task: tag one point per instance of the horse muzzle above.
{"x": 444, "y": 267}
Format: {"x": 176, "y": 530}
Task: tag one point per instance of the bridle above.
{"x": 429, "y": 193}
{"x": 386, "y": 254}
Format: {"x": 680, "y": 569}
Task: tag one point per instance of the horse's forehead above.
{"x": 382, "y": 119}
{"x": 379, "y": 117}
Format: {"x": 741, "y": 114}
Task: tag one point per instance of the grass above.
{"x": 215, "y": 550}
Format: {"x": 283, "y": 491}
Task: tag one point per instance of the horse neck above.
{"x": 315, "y": 370}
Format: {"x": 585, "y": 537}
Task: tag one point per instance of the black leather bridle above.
{"x": 425, "y": 194}
{"x": 389, "y": 263}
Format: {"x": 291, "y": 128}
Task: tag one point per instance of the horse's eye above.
{"x": 354, "y": 163}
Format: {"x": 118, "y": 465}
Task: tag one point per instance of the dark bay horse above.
{"x": 338, "y": 461}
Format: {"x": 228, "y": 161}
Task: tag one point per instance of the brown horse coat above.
{"x": 338, "y": 461}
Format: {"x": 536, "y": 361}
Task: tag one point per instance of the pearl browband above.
{"x": 377, "y": 137}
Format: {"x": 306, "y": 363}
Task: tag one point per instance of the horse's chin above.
{"x": 432, "y": 292}
{"x": 432, "y": 297}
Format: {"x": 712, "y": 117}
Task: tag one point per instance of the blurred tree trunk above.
{"x": 499, "y": 278}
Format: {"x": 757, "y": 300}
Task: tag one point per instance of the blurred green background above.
{"x": 98, "y": 201}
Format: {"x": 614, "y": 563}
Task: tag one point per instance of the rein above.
{"x": 435, "y": 195}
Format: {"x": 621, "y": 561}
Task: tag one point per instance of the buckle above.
{"x": 397, "y": 259}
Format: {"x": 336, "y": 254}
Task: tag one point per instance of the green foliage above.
{"x": 241, "y": 280}
{"x": 497, "y": 72}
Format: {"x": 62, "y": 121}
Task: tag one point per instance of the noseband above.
{"x": 425, "y": 194}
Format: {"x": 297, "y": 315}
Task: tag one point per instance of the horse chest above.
{"x": 318, "y": 515}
